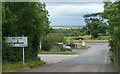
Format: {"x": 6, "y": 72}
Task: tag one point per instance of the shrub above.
{"x": 34, "y": 63}
{"x": 45, "y": 45}
{"x": 78, "y": 38}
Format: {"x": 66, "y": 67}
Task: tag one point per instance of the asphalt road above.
{"x": 94, "y": 59}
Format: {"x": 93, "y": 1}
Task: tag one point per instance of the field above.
{"x": 87, "y": 39}
{"x": 67, "y": 27}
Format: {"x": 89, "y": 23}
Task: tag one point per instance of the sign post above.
{"x": 23, "y": 56}
{"x": 18, "y": 42}
{"x": 40, "y": 45}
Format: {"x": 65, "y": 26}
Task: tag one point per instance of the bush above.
{"x": 45, "y": 45}
{"x": 10, "y": 54}
{"x": 18, "y": 66}
{"x": 54, "y": 38}
{"x": 112, "y": 56}
{"x": 34, "y": 63}
{"x": 77, "y": 38}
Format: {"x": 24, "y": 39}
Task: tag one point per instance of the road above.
{"x": 94, "y": 59}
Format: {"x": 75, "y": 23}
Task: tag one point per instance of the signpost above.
{"x": 18, "y": 42}
{"x": 40, "y": 45}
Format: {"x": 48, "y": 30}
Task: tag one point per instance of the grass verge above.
{"x": 87, "y": 37}
{"x": 15, "y": 67}
{"x": 0, "y": 66}
{"x": 96, "y": 41}
{"x": 56, "y": 52}
{"x": 83, "y": 47}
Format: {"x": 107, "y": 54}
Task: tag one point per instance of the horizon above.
{"x": 68, "y": 26}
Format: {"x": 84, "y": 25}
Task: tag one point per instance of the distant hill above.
{"x": 67, "y": 27}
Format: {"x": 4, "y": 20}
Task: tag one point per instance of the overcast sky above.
{"x": 70, "y": 13}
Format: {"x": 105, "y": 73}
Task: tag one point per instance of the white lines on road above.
{"x": 105, "y": 61}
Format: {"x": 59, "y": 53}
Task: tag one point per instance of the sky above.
{"x": 70, "y": 12}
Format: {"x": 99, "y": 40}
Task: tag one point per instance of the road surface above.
{"x": 94, "y": 59}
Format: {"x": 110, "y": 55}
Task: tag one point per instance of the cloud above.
{"x": 74, "y": 9}
{"x": 71, "y": 13}
{"x": 72, "y": 0}
{"x": 77, "y": 21}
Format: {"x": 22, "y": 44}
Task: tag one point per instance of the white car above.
{"x": 67, "y": 47}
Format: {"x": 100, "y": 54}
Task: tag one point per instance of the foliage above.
{"x": 112, "y": 14}
{"x": 95, "y": 25}
{"x": 55, "y": 38}
{"x": 35, "y": 63}
{"x": 56, "y": 51}
{"x": 9, "y": 54}
{"x": 18, "y": 66}
{"x": 45, "y": 44}
{"x": 24, "y": 18}
{"x": 78, "y": 38}
{"x": 69, "y": 32}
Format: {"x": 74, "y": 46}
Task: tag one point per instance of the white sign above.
{"x": 17, "y": 41}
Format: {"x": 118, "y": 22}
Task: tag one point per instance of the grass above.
{"x": 105, "y": 37}
{"x": 87, "y": 38}
{"x": 54, "y": 51}
{"x": 9, "y": 67}
{"x": 13, "y": 67}
{"x": 83, "y": 47}
{"x": 96, "y": 41}
{"x": 0, "y": 66}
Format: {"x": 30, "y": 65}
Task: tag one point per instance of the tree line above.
{"x": 69, "y": 32}
{"x": 96, "y": 26}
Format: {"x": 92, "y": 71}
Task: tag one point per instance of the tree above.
{"x": 45, "y": 44}
{"x": 112, "y": 14}
{"x": 54, "y": 38}
{"x": 95, "y": 25}
{"x": 24, "y": 18}
{"x": 69, "y": 32}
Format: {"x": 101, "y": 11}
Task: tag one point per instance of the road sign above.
{"x": 17, "y": 41}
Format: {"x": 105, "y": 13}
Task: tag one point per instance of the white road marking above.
{"x": 105, "y": 61}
